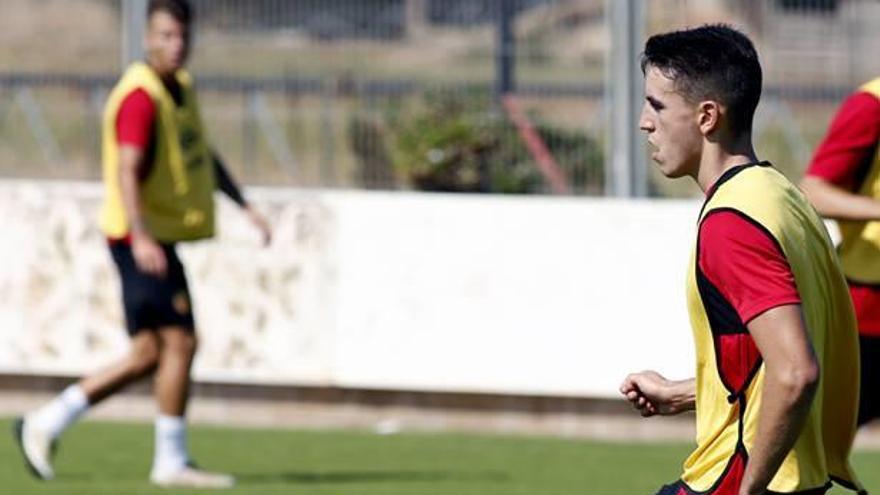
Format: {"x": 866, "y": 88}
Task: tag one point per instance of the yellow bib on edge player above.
{"x": 860, "y": 246}
{"x": 730, "y": 373}
{"x": 177, "y": 196}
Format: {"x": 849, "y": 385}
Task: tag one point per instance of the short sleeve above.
{"x": 745, "y": 263}
{"x": 848, "y": 148}
{"x": 135, "y": 119}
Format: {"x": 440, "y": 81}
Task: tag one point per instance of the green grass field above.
{"x": 112, "y": 458}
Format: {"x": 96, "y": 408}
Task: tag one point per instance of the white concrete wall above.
{"x": 379, "y": 290}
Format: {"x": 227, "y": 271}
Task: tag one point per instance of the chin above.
{"x": 672, "y": 173}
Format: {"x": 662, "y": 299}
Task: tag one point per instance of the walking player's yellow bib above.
{"x": 177, "y": 197}
{"x": 730, "y": 372}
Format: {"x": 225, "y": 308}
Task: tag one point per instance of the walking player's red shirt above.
{"x": 135, "y": 125}
{"x": 135, "y": 121}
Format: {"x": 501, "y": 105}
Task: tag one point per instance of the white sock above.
{"x": 170, "y": 450}
{"x": 61, "y": 412}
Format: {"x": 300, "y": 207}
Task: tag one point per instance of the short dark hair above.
{"x": 713, "y": 61}
{"x": 180, "y": 10}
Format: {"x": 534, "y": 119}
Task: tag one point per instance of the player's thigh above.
{"x": 171, "y": 302}
{"x": 145, "y": 345}
{"x": 153, "y": 302}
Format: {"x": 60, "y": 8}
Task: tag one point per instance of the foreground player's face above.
{"x": 167, "y": 43}
{"x": 672, "y": 126}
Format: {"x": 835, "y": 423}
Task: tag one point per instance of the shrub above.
{"x": 462, "y": 142}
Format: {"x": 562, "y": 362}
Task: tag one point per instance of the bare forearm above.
{"x": 785, "y": 405}
{"x": 837, "y": 203}
{"x": 131, "y": 199}
{"x": 131, "y": 161}
{"x": 684, "y": 395}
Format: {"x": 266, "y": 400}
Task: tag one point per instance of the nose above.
{"x": 645, "y": 122}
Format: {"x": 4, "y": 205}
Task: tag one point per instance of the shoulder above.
{"x": 871, "y": 88}
{"x": 185, "y": 79}
{"x": 731, "y": 226}
{"x": 865, "y": 101}
{"x": 139, "y": 102}
{"x": 138, "y": 96}
{"x": 756, "y": 187}
{"x": 766, "y": 198}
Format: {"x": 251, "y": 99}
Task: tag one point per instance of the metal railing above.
{"x": 407, "y": 94}
{"x": 319, "y": 93}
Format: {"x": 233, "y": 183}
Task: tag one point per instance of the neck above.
{"x": 719, "y": 157}
{"x": 165, "y": 76}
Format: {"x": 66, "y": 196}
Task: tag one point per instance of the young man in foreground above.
{"x": 777, "y": 372}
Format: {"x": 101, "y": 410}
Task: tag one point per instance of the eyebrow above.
{"x": 657, "y": 104}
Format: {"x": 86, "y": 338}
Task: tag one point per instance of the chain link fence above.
{"x": 814, "y": 53}
{"x": 390, "y": 94}
{"x": 449, "y": 95}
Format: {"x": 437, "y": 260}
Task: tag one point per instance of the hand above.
{"x": 260, "y": 223}
{"x": 650, "y": 393}
{"x": 148, "y": 254}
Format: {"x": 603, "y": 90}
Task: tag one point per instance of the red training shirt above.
{"x": 844, "y": 159}
{"x": 745, "y": 264}
{"x": 135, "y": 122}
{"x": 135, "y": 119}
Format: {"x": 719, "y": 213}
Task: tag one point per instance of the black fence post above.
{"x": 505, "y": 53}
{"x": 505, "y": 49}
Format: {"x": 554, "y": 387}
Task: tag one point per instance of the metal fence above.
{"x": 342, "y": 93}
{"x": 465, "y": 95}
{"x": 813, "y": 52}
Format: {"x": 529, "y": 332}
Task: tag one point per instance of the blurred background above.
{"x": 390, "y": 301}
{"x": 353, "y": 93}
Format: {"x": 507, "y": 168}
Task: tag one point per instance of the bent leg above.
{"x": 38, "y": 431}
{"x": 141, "y": 360}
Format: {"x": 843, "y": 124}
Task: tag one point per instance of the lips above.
{"x": 655, "y": 152}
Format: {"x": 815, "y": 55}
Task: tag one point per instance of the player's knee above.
{"x": 189, "y": 345}
{"x": 144, "y": 360}
{"x": 143, "y": 366}
{"x": 182, "y": 344}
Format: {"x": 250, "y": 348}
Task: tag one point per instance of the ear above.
{"x": 708, "y": 116}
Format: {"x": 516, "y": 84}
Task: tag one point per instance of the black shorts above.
{"x": 151, "y": 302}
{"x": 869, "y": 393}
{"x": 673, "y": 489}
{"x": 679, "y": 488}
